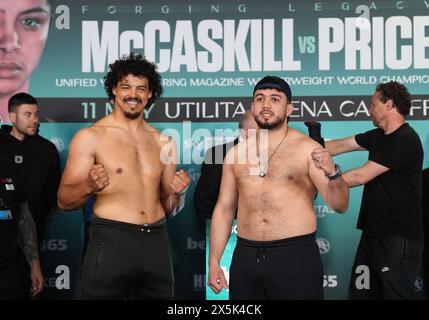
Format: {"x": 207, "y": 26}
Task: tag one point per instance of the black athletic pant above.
{"x": 280, "y": 269}
{"x": 15, "y": 280}
{"x": 127, "y": 261}
{"x": 387, "y": 267}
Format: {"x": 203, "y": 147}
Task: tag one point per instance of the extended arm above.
{"x": 221, "y": 225}
{"x": 364, "y": 174}
{"x": 339, "y": 146}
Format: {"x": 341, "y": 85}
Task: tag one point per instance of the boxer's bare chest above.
{"x": 132, "y": 157}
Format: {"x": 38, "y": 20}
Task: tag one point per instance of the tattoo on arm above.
{"x": 27, "y": 238}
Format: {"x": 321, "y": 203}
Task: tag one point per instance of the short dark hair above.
{"x": 138, "y": 66}
{"x": 398, "y": 93}
{"x": 273, "y": 82}
{"x": 19, "y": 99}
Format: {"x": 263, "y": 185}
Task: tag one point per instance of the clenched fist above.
{"x": 98, "y": 178}
{"x": 217, "y": 280}
{"x": 323, "y": 160}
{"x": 180, "y": 182}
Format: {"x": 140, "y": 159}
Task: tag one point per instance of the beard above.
{"x": 132, "y": 115}
{"x": 278, "y": 121}
{"x": 26, "y": 131}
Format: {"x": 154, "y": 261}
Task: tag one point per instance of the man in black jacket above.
{"x": 207, "y": 189}
{"x": 37, "y": 158}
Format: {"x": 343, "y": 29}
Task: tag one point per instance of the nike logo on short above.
{"x": 384, "y": 269}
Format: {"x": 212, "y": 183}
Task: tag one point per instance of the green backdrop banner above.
{"x": 332, "y": 53}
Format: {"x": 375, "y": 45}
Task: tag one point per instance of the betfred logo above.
{"x": 191, "y": 244}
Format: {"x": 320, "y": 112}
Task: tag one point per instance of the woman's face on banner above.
{"x": 24, "y": 26}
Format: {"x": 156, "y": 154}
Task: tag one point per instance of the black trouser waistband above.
{"x": 158, "y": 226}
{"x": 306, "y": 238}
{"x": 262, "y": 248}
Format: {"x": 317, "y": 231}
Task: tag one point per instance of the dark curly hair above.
{"x": 398, "y": 93}
{"x": 138, "y": 66}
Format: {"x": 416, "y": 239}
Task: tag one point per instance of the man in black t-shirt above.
{"x": 19, "y": 256}
{"x": 388, "y": 262}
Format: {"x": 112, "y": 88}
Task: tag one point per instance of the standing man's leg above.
{"x": 108, "y": 262}
{"x": 245, "y": 274}
{"x": 293, "y": 269}
{"x": 364, "y": 282}
{"x": 400, "y": 267}
{"x": 155, "y": 280}
{"x": 15, "y": 278}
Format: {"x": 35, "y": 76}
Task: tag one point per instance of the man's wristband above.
{"x": 338, "y": 172}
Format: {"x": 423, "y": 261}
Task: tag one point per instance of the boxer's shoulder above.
{"x": 310, "y": 143}
{"x": 106, "y": 127}
{"x": 86, "y": 135}
{"x": 302, "y": 146}
{"x": 84, "y": 141}
{"x": 300, "y": 140}
{"x": 93, "y": 132}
